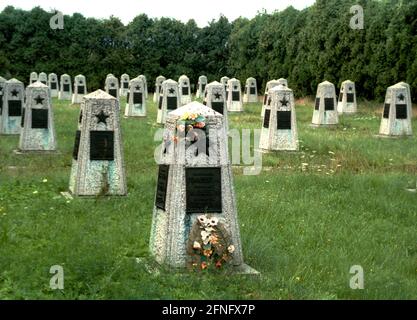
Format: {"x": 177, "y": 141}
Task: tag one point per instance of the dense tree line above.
{"x": 306, "y": 46}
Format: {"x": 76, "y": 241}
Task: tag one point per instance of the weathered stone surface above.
{"x": 325, "y": 109}
{"x": 80, "y": 89}
{"x": 2, "y": 90}
{"x": 112, "y": 86}
{"x": 279, "y": 125}
{"x": 158, "y": 85}
{"x": 347, "y": 98}
{"x": 98, "y": 163}
{"x": 43, "y": 78}
{"x": 397, "y": 113}
{"x": 38, "y": 132}
{"x": 124, "y": 84}
{"x": 269, "y": 85}
{"x": 12, "y": 110}
{"x": 234, "y": 99}
{"x": 33, "y": 77}
{"x": 136, "y": 102}
{"x": 65, "y": 92}
{"x": 216, "y": 100}
{"x": 184, "y": 90}
{"x": 224, "y": 81}
{"x": 201, "y": 87}
{"x": 169, "y": 100}
{"x": 145, "y": 81}
{"x": 53, "y": 85}
{"x": 171, "y": 225}
{"x": 251, "y": 91}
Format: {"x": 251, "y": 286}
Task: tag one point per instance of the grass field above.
{"x": 302, "y": 226}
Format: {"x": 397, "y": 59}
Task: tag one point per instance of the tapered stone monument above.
{"x": 347, "y": 98}
{"x": 195, "y": 186}
{"x": 80, "y": 89}
{"x": 38, "y": 132}
{"x": 184, "y": 90}
{"x": 112, "y": 86}
{"x": 158, "y": 85}
{"x": 65, "y": 92}
{"x": 124, "y": 84}
{"x": 43, "y": 78}
{"x": 136, "y": 102}
{"x": 234, "y": 99}
{"x": 396, "y": 117}
{"x": 33, "y": 77}
{"x": 279, "y": 129}
{"x": 201, "y": 87}
{"x": 168, "y": 100}
{"x": 53, "y": 85}
{"x": 224, "y": 81}
{"x": 98, "y": 165}
{"x": 145, "y": 81}
{"x": 251, "y": 91}
{"x": 325, "y": 112}
{"x": 216, "y": 100}
{"x": 269, "y": 86}
{"x": 13, "y": 104}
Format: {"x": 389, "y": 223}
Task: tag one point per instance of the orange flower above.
{"x": 204, "y": 266}
{"x": 214, "y": 239}
{"x": 207, "y": 253}
{"x": 218, "y": 264}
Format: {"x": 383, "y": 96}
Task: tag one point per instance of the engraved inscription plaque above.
{"x": 161, "y": 190}
{"x": 267, "y": 118}
{"x": 328, "y": 104}
{"x": 102, "y": 145}
{"x": 39, "y": 118}
{"x": 401, "y": 111}
{"x": 284, "y": 120}
{"x": 15, "y": 108}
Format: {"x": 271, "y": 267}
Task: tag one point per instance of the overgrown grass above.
{"x": 302, "y": 230}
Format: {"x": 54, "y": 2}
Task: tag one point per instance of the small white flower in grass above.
{"x": 45, "y": 180}
{"x": 35, "y": 192}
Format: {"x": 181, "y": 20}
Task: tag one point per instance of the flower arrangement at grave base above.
{"x": 209, "y": 246}
{"x": 186, "y": 125}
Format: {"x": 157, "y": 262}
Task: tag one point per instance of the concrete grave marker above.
{"x": 13, "y": 105}
{"x": 201, "y": 87}
{"x": 396, "y": 117}
{"x": 53, "y": 85}
{"x": 158, "y": 85}
{"x": 146, "y": 84}
{"x": 325, "y": 108}
{"x": 168, "y": 100}
{"x": 234, "y": 99}
{"x": 216, "y": 100}
{"x": 38, "y": 132}
{"x": 136, "y": 102}
{"x": 279, "y": 127}
{"x": 80, "y": 89}
{"x": 224, "y": 81}
{"x": 195, "y": 185}
{"x": 98, "y": 163}
{"x": 112, "y": 86}
{"x": 65, "y": 92}
{"x": 2, "y": 90}
{"x": 184, "y": 90}
{"x": 33, "y": 77}
{"x": 269, "y": 86}
{"x": 124, "y": 84}
{"x": 251, "y": 91}
{"x": 43, "y": 78}
{"x": 347, "y": 98}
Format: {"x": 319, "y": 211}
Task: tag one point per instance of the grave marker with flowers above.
{"x": 195, "y": 221}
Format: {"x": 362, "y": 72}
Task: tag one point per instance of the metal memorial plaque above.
{"x": 102, "y": 145}
{"x": 66, "y": 87}
{"x": 387, "y": 107}
{"x": 172, "y": 103}
{"x": 252, "y": 90}
{"x": 317, "y": 106}
{"x": 128, "y": 96}
{"x": 235, "y": 96}
{"x": 137, "y": 98}
{"x": 161, "y": 189}
{"x": 39, "y": 118}
{"x": 160, "y": 102}
{"x": 401, "y": 111}
{"x": 204, "y": 190}
{"x": 76, "y": 145}
{"x": 203, "y": 87}
{"x": 1, "y": 105}
{"x": 22, "y": 120}
{"x": 113, "y": 92}
{"x": 284, "y": 120}
{"x": 185, "y": 91}
{"x": 125, "y": 85}
{"x": 218, "y": 107}
{"x": 350, "y": 98}
{"x": 15, "y": 108}
{"x": 328, "y": 104}
{"x": 267, "y": 118}
{"x": 53, "y": 86}
{"x": 81, "y": 90}
{"x": 341, "y": 97}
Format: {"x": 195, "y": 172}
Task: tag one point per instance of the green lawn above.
{"x": 301, "y": 228}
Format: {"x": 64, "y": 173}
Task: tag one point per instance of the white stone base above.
{"x": 77, "y": 98}
{"x": 235, "y": 107}
{"x": 250, "y": 98}
{"x": 346, "y": 108}
{"x": 23, "y": 152}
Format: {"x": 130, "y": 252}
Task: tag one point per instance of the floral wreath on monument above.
{"x": 209, "y": 245}
{"x": 187, "y": 123}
